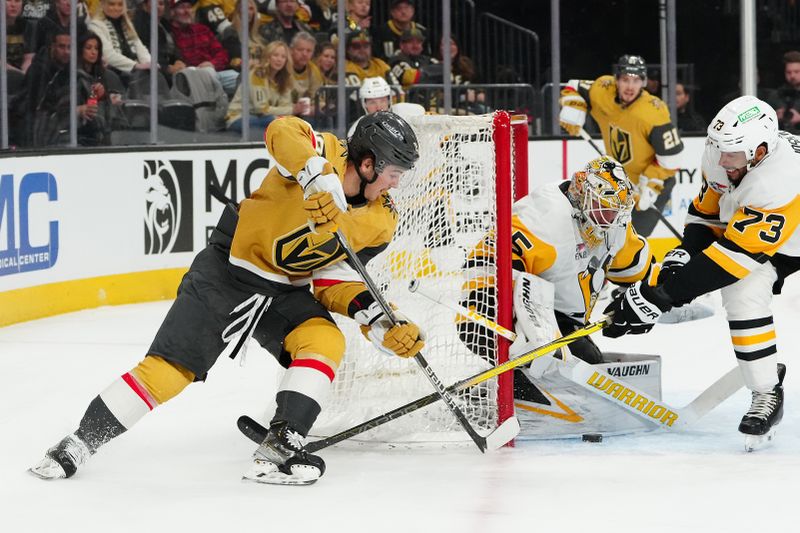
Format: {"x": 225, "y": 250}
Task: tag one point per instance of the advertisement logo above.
{"x": 23, "y": 214}
{"x": 168, "y": 207}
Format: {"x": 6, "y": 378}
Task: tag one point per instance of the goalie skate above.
{"x": 282, "y": 460}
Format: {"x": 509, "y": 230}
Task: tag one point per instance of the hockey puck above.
{"x": 592, "y": 437}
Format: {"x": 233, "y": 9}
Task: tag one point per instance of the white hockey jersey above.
{"x": 756, "y": 218}
{"x": 547, "y": 242}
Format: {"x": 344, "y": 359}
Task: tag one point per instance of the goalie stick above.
{"x": 257, "y": 432}
{"x": 501, "y": 435}
{"x": 616, "y": 390}
{"x": 661, "y": 216}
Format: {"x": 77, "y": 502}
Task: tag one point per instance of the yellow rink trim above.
{"x": 41, "y": 301}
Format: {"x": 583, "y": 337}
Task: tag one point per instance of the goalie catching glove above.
{"x": 636, "y": 310}
{"x": 323, "y": 192}
{"x": 403, "y": 339}
{"x": 572, "y": 116}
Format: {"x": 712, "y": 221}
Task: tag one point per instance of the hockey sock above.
{"x": 302, "y": 392}
{"x": 754, "y": 343}
{"x": 114, "y": 411}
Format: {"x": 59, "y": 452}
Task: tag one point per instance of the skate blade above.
{"x": 300, "y": 476}
{"x": 48, "y": 470}
{"x": 757, "y": 442}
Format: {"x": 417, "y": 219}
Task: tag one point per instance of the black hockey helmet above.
{"x": 385, "y": 136}
{"x": 633, "y": 65}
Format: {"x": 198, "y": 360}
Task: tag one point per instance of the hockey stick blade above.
{"x": 256, "y": 432}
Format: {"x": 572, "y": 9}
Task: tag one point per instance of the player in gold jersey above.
{"x": 741, "y": 237}
{"x": 637, "y": 131}
{"x": 255, "y": 278}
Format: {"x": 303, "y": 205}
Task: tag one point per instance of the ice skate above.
{"x": 62, "y": 460}
{"x": 281, "y": 459}
{"x": 766, "y": 411}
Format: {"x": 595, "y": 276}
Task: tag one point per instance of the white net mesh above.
{"x": 446, "y": 205}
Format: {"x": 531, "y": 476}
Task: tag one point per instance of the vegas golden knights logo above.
{"x": 621, "y": 146}
{"x": 301, "y": 251}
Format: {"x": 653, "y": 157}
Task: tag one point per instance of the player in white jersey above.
{"x": 740, "y": 237}
{"x": 376, "y": 95}
{"x": 574, "y": 235}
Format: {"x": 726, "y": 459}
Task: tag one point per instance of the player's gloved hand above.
{"x": 572, "y": 116}
{"x": 673, "y": 261}
{"x": 648, "y": 190}
{"x": 636, "y": 310}
{"x": 404, "y": 339}
{"x": 317, "y": 176}
{"x": 322, "y": 212}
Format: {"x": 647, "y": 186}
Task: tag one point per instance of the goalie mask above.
{"x": 738, "y": 130}
{"x": 602, "y": 198}
{"x": 386, "y": 137}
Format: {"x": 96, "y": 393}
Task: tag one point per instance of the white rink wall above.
{"x": 82, "y": 228}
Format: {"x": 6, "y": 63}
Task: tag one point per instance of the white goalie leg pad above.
{"x": 534, "y": 317}
{"x": 571, "y": 409}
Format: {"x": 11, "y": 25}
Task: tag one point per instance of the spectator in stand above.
{"x": 46, "y": 88}
{"x": 688, "y": 119}
{"x": 408, "y": 64}
{"x": 270, "y": 91}
{"x": 199, "y": 47}
{"x": 19, "y": 44}
{"x": 286, "y": 24}
{"x": 325, "y": 59}
{"x": 787, "y": 96}
{"x": 257, "y": 44}
{"x": 357, "y": 18}
{"x": 99, "y": 95}
{"x": 218, "y": 16}
{"x": 36, "y": 9}
{"x": 307, "y": 77}
{"x": 57, "y": 18}
{"x": 168, "y": 57}
{"x": 387, "y": 36}
{"x": 323, "y": 15}
{"x": 123, "y": 51}
{"x": 360, "y": 64}
{"x": 463, "y": 70}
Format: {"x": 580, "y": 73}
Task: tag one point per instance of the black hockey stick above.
{"x": 504, "y": 432}
{"x": 658, "y": 212}
{"x": 257, "y": 433}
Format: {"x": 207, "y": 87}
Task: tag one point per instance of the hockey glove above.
{"x": 314, "y": 178}
{"x": 404, "y": 339}
{"x": 322, "y": 212}
{"x": 673, "y": 261}
{"x": 636, "y": 310}
{"x": 572, "y": 116}
{"x": 648, "y": 190}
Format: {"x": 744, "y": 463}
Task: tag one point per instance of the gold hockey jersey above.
{"x": 641, "y": 136}
{"x": 547, "y": 242}
{"x": 273, "y": 242}
{"x": 756, "y": 218}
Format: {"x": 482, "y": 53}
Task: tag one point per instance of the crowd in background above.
{"x": 292, "y": 54}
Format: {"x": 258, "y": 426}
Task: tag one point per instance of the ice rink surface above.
{"x": 179, "y": 469}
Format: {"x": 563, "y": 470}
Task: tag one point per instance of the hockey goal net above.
{"x": 459, "y": 193}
